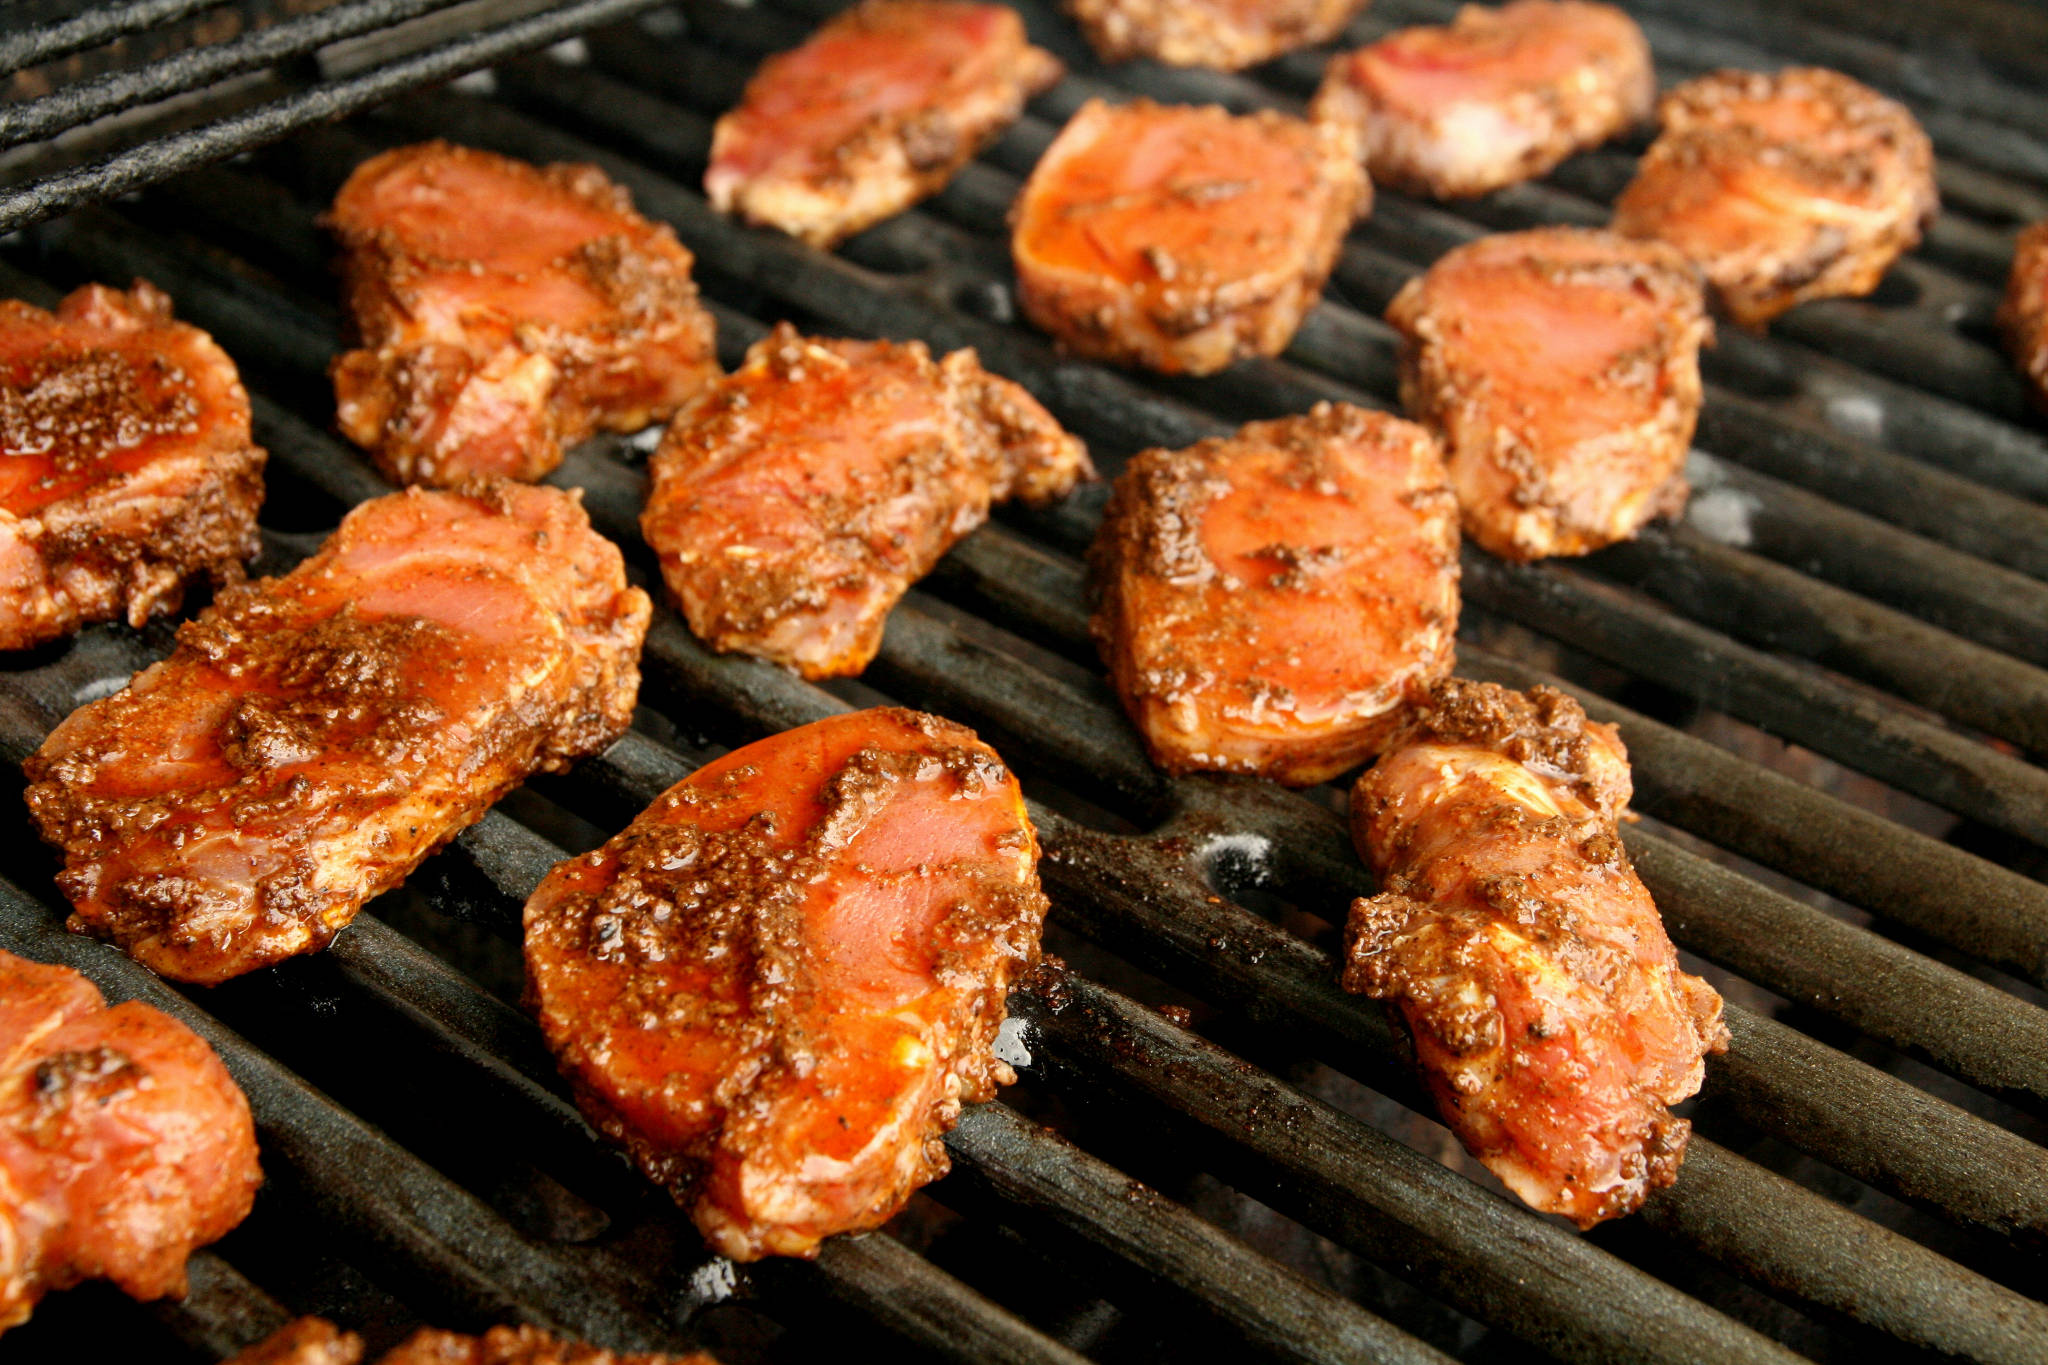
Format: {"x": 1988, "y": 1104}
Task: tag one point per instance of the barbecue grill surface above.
{"x": 1831, "y": 677}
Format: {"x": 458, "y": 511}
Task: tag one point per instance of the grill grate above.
{"x": 1868, "y": 1169}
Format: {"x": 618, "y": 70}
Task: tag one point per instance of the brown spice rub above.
{"x": 1182, "y": 238}
{"x": 1224, "y": 34}
{"x": 2023, "y": 312}
{"x": 795, "y": 501}
{"x": 315, "y": 736}
{"x": 1495, "y": 97}
{"x": 506, "y": 312}
{"x": 1273, "y": 600}
{"x": 315, "y": 1341}
{"x": 779, "y": 984}
{"x": 124, "y": 1143}
{"x": 1560, "y": 367}
{"x": 876, "y": 110}
{"x": 126, "y": 465}
{"x": 1548, "y": 1010}
{"x": 1783, "y": 187}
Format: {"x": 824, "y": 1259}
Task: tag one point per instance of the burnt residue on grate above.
{"x": 1833, "y": 679}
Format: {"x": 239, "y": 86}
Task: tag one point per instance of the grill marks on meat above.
{"x": 506, "y": 311}
{"x": 315, "y": 1341}
{"x": 1548, "y": 1011}
{"x": 126, "y": 463}
{"x": 1272, "y": 601}
{"x": 1182, "y": 238}
{"x": 1561, "y": 369}
{"x": 313, "y": 737}
{"x": 1496, "y": 97}
{"x": 1225, "y": 34}
{"x": 796, "y": 500}
{"x": 2023, "y": 313}
{"x": 777, "y": 986}
{"x": 879, "y": 109}
{"x": 124, "y": 1143}
{"x": 1800, "y": 185}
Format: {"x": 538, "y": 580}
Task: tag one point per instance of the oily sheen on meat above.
{"x": 1273, "y": 601}
{"x": 1561, "y": 369}
{"x": 794, "y": 502}
{"x": 1550, "y": 1017}
{"x": 316, "y": 1341}
{"x": 124, "y": 1144}
{"x": 127, "y": 469}
{"x": 505, "y": 312}
{"x": 313, "y": 737}
{"x": 779, "y": 984}
{"x": 876, "y": 110}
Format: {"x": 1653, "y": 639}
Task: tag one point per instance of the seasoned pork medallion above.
{"x": 794, "y": 501}
{"x": 1272, "y": 601}
{"x": 1182, "y": 238}
{"x": 777, "y": 986}
{"x": 1225, "y": 34}
{"x": 1561, "y": 368}
{"x": 313, "y": 737}
{"x": 880, "y": 108}
{"x": 506, "y": 311}
{"x": 1493, "y": 98}
{"x": 1788, "y": 187}
{"x": 126, "y": 465}
{"x": 315, "y": 1341}
{"x": 1549, "y": 1014}
{"x": 304, "y": 1341}
{"x": 2023, "y": 314}
{"x": 124, "y": 1144}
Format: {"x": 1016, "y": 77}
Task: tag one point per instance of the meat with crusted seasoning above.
{"x": 795, "y": 501}
{"x": 506, "y": 311}
{"x": 877, "y": 110}
{"x": 1800, "y": 185}
{"x": 2023, "y": 313}
{"x": 1272, "y": 601}
{"x": 316, "y": 1341}
{"x": 126, "y": 465}
{"x": 1561, "y": 369}
{"x": 313, "y": 737}
{"x": 1224, "y": 34}
{"x": 1549, "y": 1014}
{"x": 124, "y": 1143}
{"x": 777, "y": 986}
{"x": 1493, "y": 98}
{"x": 1182, "y": 238}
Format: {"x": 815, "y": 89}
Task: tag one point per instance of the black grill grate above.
{"x": 1868, "y": 582}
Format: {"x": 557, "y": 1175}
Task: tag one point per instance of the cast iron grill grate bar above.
{"x": 80, "y": 103}
{"x": 93, "y": 27}
{"x": 157, "y": 159}
{"x": 1149, "y": 900}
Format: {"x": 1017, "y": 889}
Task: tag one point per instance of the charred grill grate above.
{"x": 1865, "y": 576}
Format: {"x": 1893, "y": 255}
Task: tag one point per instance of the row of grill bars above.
{"x": 618, "y": 522}
{"x": 82, "y": 102}
{"x": 1054, "y": 614}
{"x": 160, "y": 157}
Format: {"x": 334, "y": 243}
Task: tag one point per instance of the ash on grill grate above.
{"x": 1865, "y": 580}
